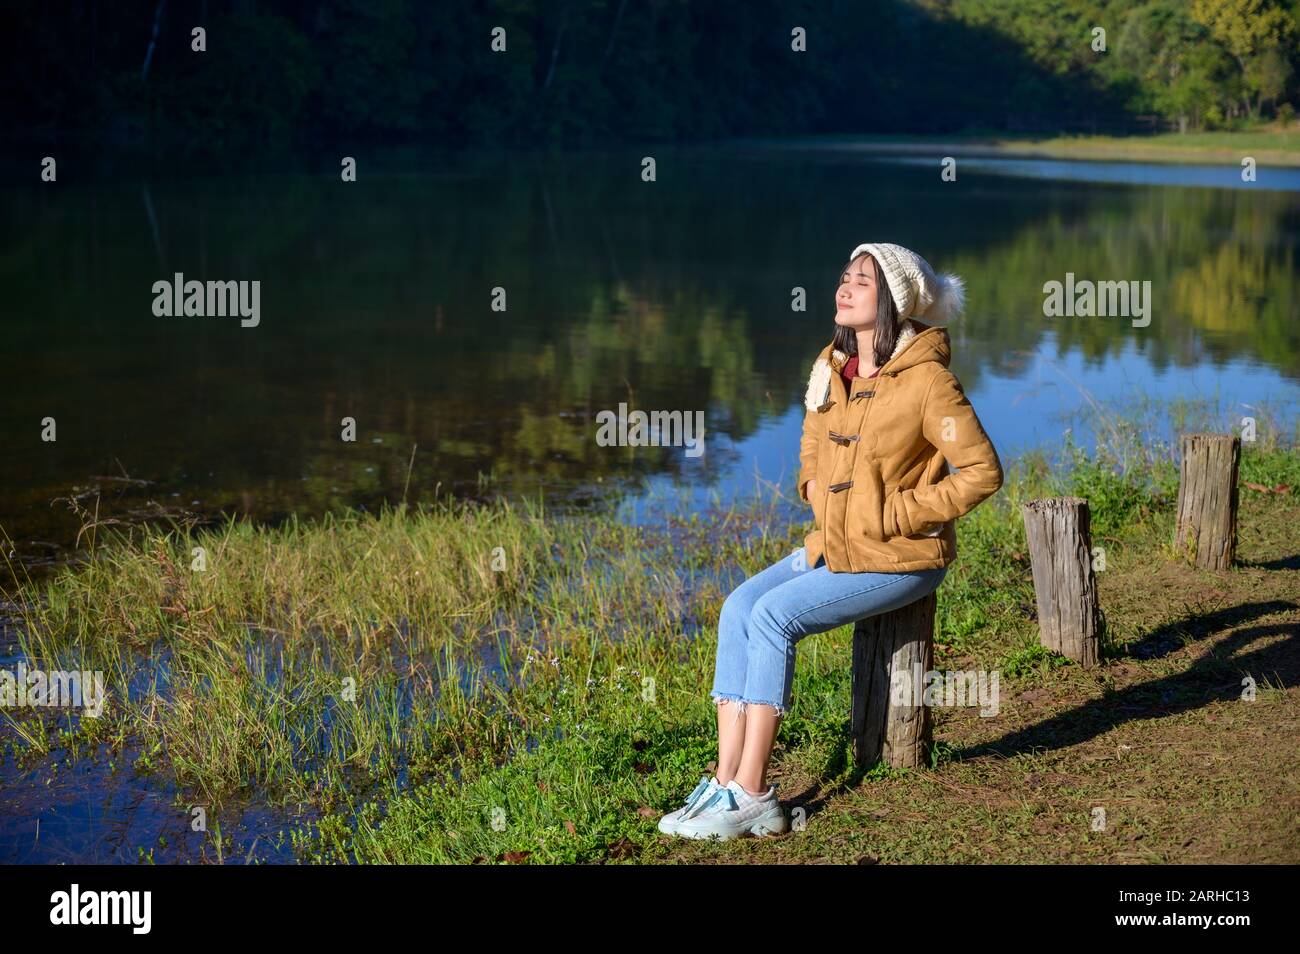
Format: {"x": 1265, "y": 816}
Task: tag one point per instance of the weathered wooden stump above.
{"x": 1207, "y": 499}
{"x": 1065, "y": 587}
{"x": 893, "y": 642}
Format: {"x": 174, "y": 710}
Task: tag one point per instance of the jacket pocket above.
{"x": 898, "y": 519}
{"x": 818, "y": 500}
{"x": 819, "y": 497}
{"x": 894, "y": 515}
{"x": 866, "y": 502}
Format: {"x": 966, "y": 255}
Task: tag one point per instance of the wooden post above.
{"x": 1060, "y": 552}
{"x": 902, "y": 641}
{"x": 1207, "y": 499}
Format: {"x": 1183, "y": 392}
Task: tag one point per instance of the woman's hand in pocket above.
{"x": 810, "y": 489}
{"x": 895, "y": 516}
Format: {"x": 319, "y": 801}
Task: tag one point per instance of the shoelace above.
{"x": 698, "y": 805}
{"x": 704, "y": 803}
{"x": 697, "y": 793}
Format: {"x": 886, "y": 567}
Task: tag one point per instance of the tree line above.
{"x": 216, "y": 73}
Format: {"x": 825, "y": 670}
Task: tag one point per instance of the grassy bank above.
{"x": 1270, "y": 146}
{"x": 500, "y": 683}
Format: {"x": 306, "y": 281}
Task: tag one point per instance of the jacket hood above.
{"x": 917, "y": 344}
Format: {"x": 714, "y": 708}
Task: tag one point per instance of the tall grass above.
{"x": 409, "y": 673}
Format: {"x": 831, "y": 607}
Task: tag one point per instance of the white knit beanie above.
{"x": 917, "y": 291}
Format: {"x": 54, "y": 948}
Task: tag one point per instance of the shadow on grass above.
{"x": 1215, "y": 677}
{"x": 1282, "y": 563}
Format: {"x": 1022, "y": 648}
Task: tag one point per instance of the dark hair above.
{"x": 846, "y": 339}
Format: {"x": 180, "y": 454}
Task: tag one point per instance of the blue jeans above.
{"x": 766, "y": 615}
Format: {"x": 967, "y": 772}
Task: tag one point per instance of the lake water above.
{"x": 376, "y": 304}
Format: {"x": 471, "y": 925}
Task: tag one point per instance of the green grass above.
{"x": 1270, "y": 145}
{"x": 1270, "y": 137}
{"x": 430, "y": 707}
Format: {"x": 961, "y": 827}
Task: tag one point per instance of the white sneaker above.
{"x": 707, "y": 786}
{"x": 732, "y": 812}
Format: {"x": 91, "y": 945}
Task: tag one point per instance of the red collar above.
{"x": 850, "y": 370}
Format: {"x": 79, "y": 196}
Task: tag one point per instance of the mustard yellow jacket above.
{"x": 881, "y": 451}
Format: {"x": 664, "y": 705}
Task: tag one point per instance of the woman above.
{"x": 884, "y": 420}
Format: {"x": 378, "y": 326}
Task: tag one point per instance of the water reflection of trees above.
{"x": 672, "y": 296}
{"x": 1221, "y": 265}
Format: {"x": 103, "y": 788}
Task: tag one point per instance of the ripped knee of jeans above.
{"x": 776, "y": 706}
{"x": 723, "y": 698}
{"x": 742, "y": 704}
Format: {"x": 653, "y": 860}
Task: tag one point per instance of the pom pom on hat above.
{"x": 949, "y": 299}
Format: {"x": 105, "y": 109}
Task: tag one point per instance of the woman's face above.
{"x": 855, "y": 301}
